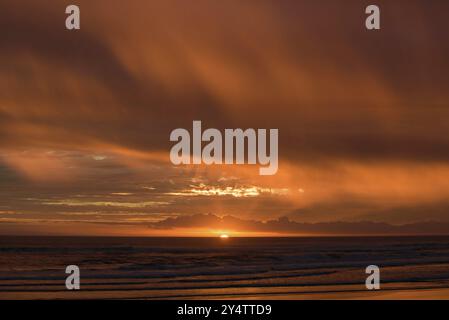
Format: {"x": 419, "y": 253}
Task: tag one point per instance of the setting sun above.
{"x": 224, "y": 236}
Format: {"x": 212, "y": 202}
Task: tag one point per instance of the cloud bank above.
{"x": 284, "y": 226}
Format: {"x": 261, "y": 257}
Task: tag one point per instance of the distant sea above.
{"x": 214, "y": 268}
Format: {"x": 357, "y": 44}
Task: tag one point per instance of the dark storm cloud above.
{"x": 132, "y": 113}
{"x": 310, "y": 69}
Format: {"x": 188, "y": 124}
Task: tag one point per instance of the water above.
{"x": 34, "y": 267}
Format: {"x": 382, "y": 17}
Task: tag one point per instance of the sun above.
{"x": 224, "y": 236}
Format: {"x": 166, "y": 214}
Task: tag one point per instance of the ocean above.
{"x": 214, "y": 268}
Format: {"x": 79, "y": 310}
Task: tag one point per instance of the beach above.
{"x": 234, "y": 268}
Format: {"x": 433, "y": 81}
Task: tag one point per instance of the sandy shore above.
{"x": 396, "y": 291}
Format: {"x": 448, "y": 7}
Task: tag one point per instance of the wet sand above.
{"x": 396, "y": 291}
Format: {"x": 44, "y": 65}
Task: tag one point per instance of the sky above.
{"x": 86, "y": 115}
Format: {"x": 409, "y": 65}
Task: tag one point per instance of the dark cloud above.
{"x": 310, "y": 69}
{"x": 359, "y": 210}
{"x": 120, "y": 109}
{"x": 286, "y": 226}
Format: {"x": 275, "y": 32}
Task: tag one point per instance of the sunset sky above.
{"x": 85, "y": 116}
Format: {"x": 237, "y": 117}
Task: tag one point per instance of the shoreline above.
{"x": 389, "y": 291}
